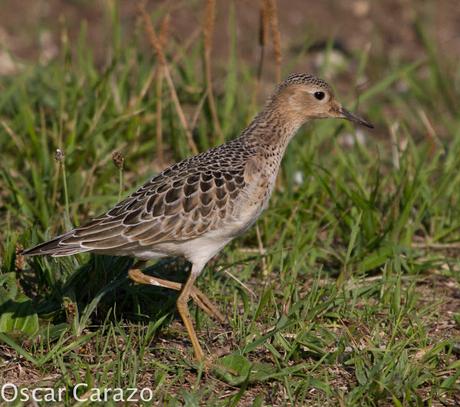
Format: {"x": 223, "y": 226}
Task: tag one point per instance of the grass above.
{"x": 359, "y": 302}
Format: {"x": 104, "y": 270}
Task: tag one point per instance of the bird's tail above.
{"x": 56, "y": 248}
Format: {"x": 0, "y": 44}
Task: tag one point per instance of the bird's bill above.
{"x": 345, "y": 114}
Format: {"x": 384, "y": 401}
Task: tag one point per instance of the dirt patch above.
{"x": 35, "y": 33}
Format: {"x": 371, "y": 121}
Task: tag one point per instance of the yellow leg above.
{"x": 185, "y": 315}
{"x": 206, "y": 304}
{"x": 198, "y": 296}
{"x": 139, "y": 277}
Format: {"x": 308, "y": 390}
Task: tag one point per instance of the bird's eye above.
{"x": 319, "y": 95}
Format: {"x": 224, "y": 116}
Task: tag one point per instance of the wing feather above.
{"x": 183, "y": 202}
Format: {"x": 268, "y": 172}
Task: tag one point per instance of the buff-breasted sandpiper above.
{"x": 197, "y": 206}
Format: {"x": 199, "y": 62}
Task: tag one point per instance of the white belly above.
{"x": 197, "y": 251}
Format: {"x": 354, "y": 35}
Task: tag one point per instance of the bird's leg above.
{"x": 198, "y": 296}
{"x": 206, "y": 304}
{"x": 139, "y": 277}
{"x": 182, "y": 307}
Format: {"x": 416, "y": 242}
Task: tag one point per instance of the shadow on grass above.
{"x": 97, "y": 290}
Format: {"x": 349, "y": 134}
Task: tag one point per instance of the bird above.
{"x": 195, "y": 207}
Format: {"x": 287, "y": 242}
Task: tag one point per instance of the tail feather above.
{"x": 56, "y": 248}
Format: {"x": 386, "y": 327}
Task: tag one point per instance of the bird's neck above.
{"x": 272, "y": 128}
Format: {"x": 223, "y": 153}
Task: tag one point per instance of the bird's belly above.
{"x": 146, "y": 254}
{"x": 198, "y": 250}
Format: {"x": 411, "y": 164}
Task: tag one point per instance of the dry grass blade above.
{"x": 135, "y": 101}
{"x": 263, "y": 29}
{"x": 181, "y": 52}
{"x": 158, "y": 94}
{"x": 271, "y": 17}
{"x": 208, "y": 30}
{"x": 271, "y": 12}
{"x": 16, "y": 139}
{"x": 159, "y": 114}
{"x": 433, "y": 140}
{"x": 262, "y": 252}
{"x": 394, "y": 144}
{"x": 198, "y": 109}
{"x": 157, "y": 46}
{"x": 263, "y": 35}
{"x": 246, "y": 287}
{"x": 436, "y": 246}
{"x": 164, "y": 30}
{"x": 268, "y": 21}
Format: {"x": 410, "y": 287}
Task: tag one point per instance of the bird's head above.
{"x": 303, "y": 97}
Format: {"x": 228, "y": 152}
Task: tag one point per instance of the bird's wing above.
{"x": 183, "y": 202}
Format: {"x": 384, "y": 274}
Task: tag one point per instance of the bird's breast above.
{"x": 254, "y": 198}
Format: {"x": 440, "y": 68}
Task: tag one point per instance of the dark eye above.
{"x": 319, "y": 95}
